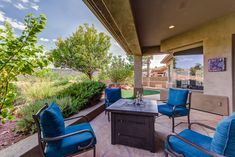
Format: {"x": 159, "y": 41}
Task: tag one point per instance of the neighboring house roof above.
{"x": 159, "y": 69}
{"x": 166, "y": 59}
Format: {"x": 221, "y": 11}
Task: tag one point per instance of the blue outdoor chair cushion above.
{"x": 223, "y": 142}
{"x": 70, "y": 144}
{"x": 177, "y": 96}
{"x": 52, "y": 121}
{"x": 167, "y": 109}
{"x": 112, "y": 95}
{"x": 188, "y": 150}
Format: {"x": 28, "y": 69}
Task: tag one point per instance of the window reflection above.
{"x": 188, "y": 71}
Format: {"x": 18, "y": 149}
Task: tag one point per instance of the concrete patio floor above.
{"x": 104, "y": 148}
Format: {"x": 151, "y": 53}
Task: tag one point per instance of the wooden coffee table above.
{"x": 133, "y": 125}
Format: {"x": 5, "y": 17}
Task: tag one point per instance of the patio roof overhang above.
{"x": 140, "y": 26}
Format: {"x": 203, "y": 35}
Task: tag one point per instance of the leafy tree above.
{"x": 119, "y": 70}
{"x": 193, "y": 70}
{"x": 174, "y": 62}
{"x": 130, "y": 59}
{"x": 19, "y": 55}
{"x": 85, "y": 51}
{"x": 146, "y": 60}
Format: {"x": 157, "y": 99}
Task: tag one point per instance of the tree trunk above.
{"x": 148, "y": 65}
{"x": 89, "y": 74}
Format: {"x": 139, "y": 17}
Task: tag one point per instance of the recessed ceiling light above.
{"x": 171, "y": 26}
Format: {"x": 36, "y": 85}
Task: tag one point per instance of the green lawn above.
{"x": 129, "y": 93}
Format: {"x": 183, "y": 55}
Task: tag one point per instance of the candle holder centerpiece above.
{"x": 139, "y": 98}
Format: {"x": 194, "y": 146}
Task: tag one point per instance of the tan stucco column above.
{"x": 137, "y": 74}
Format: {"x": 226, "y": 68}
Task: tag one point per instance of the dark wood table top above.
{"x": 149, "y": 107}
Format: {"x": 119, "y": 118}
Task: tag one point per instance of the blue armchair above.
{"x": 177, "y": 105}
{"x": 189, "y": 143}
{"x": 56, "y": 140}
{"x": 111, "y": 96}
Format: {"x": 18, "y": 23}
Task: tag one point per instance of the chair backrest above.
{"x": 113, "y": 94}
{"x": 50, "y": 123}
{"x": 178, "y": 83}
{"x": 192, "y": 82}
{"x": 223, "y": 142}
{"x": 178, "y": 96}
{"x": 36, "y": 118}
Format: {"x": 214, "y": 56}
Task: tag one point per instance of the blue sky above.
{"x": 63, "y": 17}
{"x": 188, "y": 61}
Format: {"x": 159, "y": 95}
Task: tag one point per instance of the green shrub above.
{"x": 66, "y": 105}
{"x": 75, "y": 97}
{"x": 47, "y": 74}
{"x": 83, "y": 94}
{"x": 83, "y": 78}
{"x": 39, "y": 90}
{"x": 26, "y": 123}
{"x": 102, "y": 76}
{"x": 120, "y": 74}
{"x": 119, "y": 71}
{"x": 61, "y": 82}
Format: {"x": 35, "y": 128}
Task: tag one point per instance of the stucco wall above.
{"x": 217, "y": 42}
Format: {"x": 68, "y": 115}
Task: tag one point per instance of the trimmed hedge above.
{"x": 26, "y": 123}
{"x": 84, "y": 94}
{"x": 71, "y": 100}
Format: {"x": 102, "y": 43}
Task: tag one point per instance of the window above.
{"x": 188, "y": 69}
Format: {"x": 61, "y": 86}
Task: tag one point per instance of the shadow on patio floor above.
{"x": 104, "y": 148}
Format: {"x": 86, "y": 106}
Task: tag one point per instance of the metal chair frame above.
{"x": 43, "y": 141}
{"x": 107, "y": 112}
{"x": 188, "y": 105}
{"x": 172, "y": 153}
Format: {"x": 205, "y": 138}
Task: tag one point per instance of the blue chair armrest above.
{"x": 190, "y": 143}
{"x": 107, "y": 102}
{"x": 206, "y": 126}
{"x": 174, "y": 107}
{"x": 161, "y": 99}
{"x": 53, "y": 139}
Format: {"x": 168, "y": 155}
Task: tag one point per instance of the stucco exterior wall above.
{"x": 216, "y": 37}
{"x": 137, "y": 74}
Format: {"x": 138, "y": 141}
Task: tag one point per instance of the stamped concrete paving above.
{"x": 104, "y": 148}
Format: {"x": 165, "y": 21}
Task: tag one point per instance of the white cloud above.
{"x": 2, "y": 16}
{"x": 13, "y": 22}
{"x": 20, "y": 6}
{"x": 44, "y": 39}
{"x": 2, "y": 27}
{"x": 34, "y": 6}
{"x": 24, "y": 4}
{"x": 25, "y": 1}
{"x": 54, "y": 40}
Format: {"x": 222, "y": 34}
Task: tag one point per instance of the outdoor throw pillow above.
{"x": 177, "y": 96}
{"x": 223, "y": 142}
{"x": 52, "y": 121}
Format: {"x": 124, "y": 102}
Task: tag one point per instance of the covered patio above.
{"x": 104, "y": 148}
{"x": 169, "y": 27}
{"x": 144, "y": 28}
